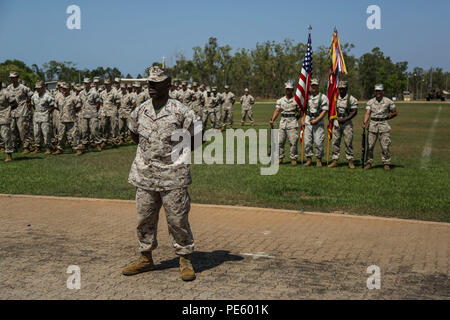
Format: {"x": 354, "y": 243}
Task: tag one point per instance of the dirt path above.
{"x": 242, "y": 253}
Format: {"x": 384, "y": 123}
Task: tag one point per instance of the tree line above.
{"x": 263, "y": 70}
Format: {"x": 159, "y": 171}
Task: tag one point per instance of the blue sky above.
{"x": 133, "y": 34}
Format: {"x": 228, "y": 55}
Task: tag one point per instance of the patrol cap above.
{"x": 96, "y": 79}
{"x": 129, "y": 85}
{"x": 227, "y": 87}
{"x": 116, "y": 80}
{"x": 246, "y": 90}
{"x": 86, "y": 80}
{"x": 107, "y": 81}
{"x": 208, "y": 89}
{"x": 195, "y": 84}
{"x": 123, "y": 85}
{"x": 379, "y": 87}
{"x": 184, "y": 83}
{"x": 39, "y": 84}
{"x": 137, "y": 84}
{"x": 214, "y": 89}
{"x": 13, "y": 74}
{"x": 289, "y": 85}
{"x": 65, "y": 85}
{"x": 343, "y": 85}
{"x": 314, "y": 81}
{"x": 156, "y": 74}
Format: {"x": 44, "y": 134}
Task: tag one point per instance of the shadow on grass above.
{"x": 22, "y": 158}
{"x": 393, "y": 166}
{"x": 202, "y": 260}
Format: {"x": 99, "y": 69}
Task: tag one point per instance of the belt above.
{"x": 288, "y": 115}
{"x": 313, "y": 115}
{"x": 342, "y": 115}
{"x": 379, "y": 119}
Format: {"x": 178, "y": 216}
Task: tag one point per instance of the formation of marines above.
{"x": 96, "y": 115}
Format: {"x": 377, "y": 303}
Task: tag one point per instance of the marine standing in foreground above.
{"x": 379, "y": 110}
{"x": 160, "y": 179}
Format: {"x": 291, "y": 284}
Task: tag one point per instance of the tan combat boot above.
{"x": 79, "y": 152}
{"x": 99, "y": 147}
{"x": 48, "y": 151}
{"x": 280, "y": 161}
{"x": 8, "y": 157}
{"x": 27, "y": 151}
{"x": 351, "y": 165}
{"x": 242, "y": 123}
{"x": 144, "y": 264}
{"x": 294, "y": 163}
{"x": 368, "y": 166}
{"x": 2, "y": 150}
{"x": 186, "y": 268}
{"x": 387, "y": 167}
{"x": 84, "y": 147}
{"x": 308, "y": 162}
{"x": 318, "y": 162}
{"x": 334, "y": 164}
{"x": 57, "y": 152}
{"x": 103, "y": 145}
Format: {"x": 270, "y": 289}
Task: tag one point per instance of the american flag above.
{"x": 304, "y": 83}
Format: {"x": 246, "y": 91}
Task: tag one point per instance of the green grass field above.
{"x": 414, "y": 189}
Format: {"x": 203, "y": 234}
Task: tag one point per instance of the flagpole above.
{"x": 304, "y": 115}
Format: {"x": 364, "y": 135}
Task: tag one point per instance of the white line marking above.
{"x": 426, "y": 153}
{"x": 257, "y": 255}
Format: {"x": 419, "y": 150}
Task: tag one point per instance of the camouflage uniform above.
{"x": 109, "y": 116}
{"x": 344, "y": 107}
{"x": 42, "y": 119}
{"x": 288, "y": 126}
{"x": 5, "y": 120}
{"x": 159, "y": 181}
{"x": 173, "y": 94}
{"x": 141, "y": 97}
{"x": 247, "y": 109}
{"x": 68, "y": 114}
{"x": 209, "y": 111}
{"x": 89, "y": 122}
{"x": 126, "y": 107}
{"x": 379, "y": 128}
{"x": 196, "y": 103}
{"x": 315, "y": 133}
{"x": 22, "y": 116}
{"x": 186, "y": 96}
{"x": 227, "y": 107}
{"x": 56, "y": 121}
{"x": 218, "y": 108}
